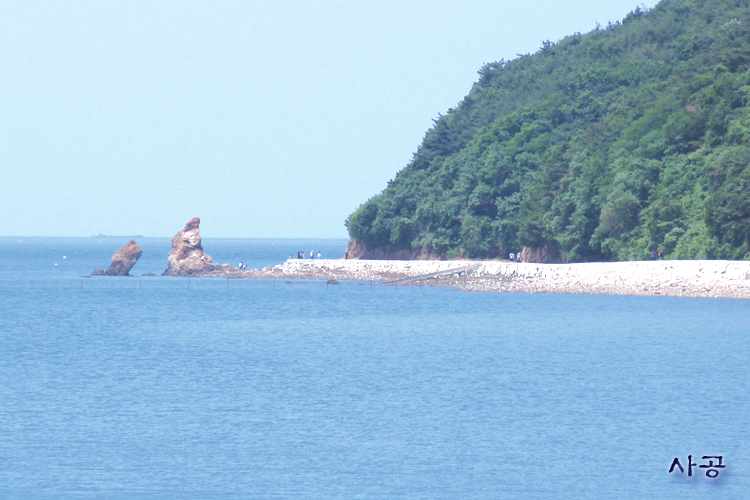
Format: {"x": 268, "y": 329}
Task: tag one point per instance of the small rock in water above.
{"x": 124, "y": 260}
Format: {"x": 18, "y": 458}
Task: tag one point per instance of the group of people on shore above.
{"x": 657, "y": 255}
{"x": 303, "y": 255}
{"x": 513, "y": 257}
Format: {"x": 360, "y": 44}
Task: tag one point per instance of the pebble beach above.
{"x": 681, "y": 278}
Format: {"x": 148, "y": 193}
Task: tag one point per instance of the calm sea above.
{"x": 153, "y": 387}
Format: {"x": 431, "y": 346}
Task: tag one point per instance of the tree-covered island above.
{"x": 609, "y": 145}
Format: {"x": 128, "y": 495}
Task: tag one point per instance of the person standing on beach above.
{"x": 518, "y": 256}
{"x": 512, "y": 257}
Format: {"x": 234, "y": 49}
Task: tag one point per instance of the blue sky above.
{"x": 271, "y": 119}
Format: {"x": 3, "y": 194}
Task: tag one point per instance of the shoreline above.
{"x": 679, "y": 278}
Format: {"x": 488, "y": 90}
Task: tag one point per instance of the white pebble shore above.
{"x": 696, "y": 278}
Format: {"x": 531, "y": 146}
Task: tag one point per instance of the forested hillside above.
{"x": 604, "y": 146}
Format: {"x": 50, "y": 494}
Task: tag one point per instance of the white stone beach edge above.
{"x": 709, "y": 270}
{"x": 704, "y": 278}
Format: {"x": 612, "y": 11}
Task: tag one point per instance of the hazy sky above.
{"x": 266, "y": 119}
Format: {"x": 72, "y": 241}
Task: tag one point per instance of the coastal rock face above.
{"x": 360, "y": 251}
{"x": 122, "y": 262}
{"x": 187, "y": 257}
{"x": 540, "y": 255}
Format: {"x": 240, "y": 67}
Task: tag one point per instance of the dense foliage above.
{"x": 603, "y": 146}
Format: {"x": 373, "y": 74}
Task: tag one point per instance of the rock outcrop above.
{"x": 540, "y": 255}
{"x": 358, "y": 250}
{"x": 122, "y": 262}
{"x": 187, "y": 257}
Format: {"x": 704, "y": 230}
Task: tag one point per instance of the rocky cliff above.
{"x": 187, "y": 257}
{"x": 358, "y": 250}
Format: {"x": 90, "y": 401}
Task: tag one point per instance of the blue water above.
{"x": 153, "y": 387}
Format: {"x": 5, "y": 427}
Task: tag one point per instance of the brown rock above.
{"x": 187, "y": 257}
{"x": 540, "y": 255}
{"x": 97, "y": 272}
{"x": 359, "y": 250}
{"x": 124, "y": 259}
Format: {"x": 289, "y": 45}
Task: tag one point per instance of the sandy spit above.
{"x": 682, "y": 278}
